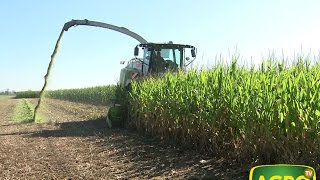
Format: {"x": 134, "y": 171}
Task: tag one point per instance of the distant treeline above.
{"x": 7, "y": 92}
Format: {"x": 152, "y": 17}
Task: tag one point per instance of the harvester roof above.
{"x": 165, "y": 45}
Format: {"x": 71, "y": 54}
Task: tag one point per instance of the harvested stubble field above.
{"x": 76, "y": 144}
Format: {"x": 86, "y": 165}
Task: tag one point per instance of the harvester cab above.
{"x": 157, "y": 59}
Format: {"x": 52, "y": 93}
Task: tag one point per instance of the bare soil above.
{"x": 76, "y": 144}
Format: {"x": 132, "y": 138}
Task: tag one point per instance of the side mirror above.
{"x": 193, "y": 52}
{"x": 122, "y": 62}
{"x": 136, "y": 51}
{"x": 189, "y": 61}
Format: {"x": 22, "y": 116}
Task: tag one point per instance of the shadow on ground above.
{"x": 75, "y": 129}
{"x": 66, "y": 129}
{"x": 144, "y": 157}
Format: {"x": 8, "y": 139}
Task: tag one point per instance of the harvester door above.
{"x": 173, "y": 59}
{"x": 146, "y": 61}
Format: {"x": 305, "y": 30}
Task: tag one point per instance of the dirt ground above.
{"x": 76, "y": 144}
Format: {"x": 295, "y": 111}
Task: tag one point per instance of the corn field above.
{"x": 28, "y": 94}
{"x": 99, "y": 95}
{"x": 94, "y": 95}
{"x": 269, "y": 114}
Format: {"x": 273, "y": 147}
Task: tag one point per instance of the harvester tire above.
{"x": 115, "y": 116}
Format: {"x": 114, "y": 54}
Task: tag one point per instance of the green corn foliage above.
{"x": 100, "y": 95}
{"x": 24, "y": 112}
{"x": 27, "y": 94}
{"x": 266, "y": 113}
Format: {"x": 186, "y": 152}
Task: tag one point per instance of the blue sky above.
{"x": 90, "y": 56}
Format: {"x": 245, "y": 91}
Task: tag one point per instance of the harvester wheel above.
{"x": 115, "y": 116}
